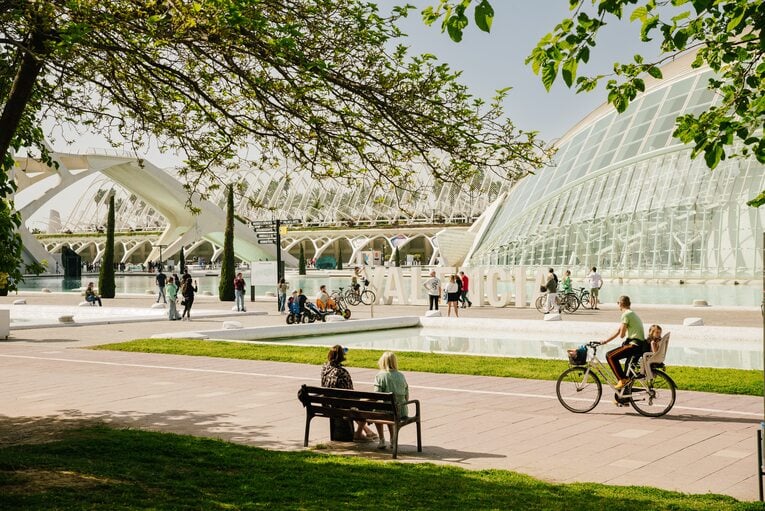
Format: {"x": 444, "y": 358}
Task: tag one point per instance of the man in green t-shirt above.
{"x": 631, "y": 327}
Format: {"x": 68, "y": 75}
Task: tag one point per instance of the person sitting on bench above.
{"x": 91, "y": 296}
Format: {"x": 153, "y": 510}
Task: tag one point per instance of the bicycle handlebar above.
{"x": 594, "y": 344}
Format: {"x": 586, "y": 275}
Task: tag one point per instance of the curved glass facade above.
{"x": 626, "y": 197}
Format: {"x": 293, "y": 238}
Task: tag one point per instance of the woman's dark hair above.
{"x": 336, "y": 354}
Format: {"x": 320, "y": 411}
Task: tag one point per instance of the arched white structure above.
{"x": 158, "y": 190}
{"x": 626, "y": 196}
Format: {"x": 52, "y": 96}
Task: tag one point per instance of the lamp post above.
{"x": 160, "y": 247}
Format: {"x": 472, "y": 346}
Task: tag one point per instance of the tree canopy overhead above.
{"x": 727, "y": 36}
{"x": 318, "y": 83}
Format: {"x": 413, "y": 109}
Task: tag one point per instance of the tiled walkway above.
{"x": 706, "y": 444}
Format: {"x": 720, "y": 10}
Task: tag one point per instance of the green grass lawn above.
{"x": 103, "y": 468}
{"x": 723, "y": 381}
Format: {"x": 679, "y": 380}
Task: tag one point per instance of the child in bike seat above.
{"x": 654, "y": 338}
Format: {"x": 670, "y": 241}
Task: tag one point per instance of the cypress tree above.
{"x": 182, "y": 262}
{"x": 228, "y": 266}
{"x": 339, "y": 258}
{"x": 106, "y": 286}
{"x": 301, "y": 261}
{"x": 397, "y": 258}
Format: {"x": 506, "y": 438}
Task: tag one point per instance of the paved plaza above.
{"x": 706, "y": 443}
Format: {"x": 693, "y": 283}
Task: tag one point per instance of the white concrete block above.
{"x": 21, "y": 301}
{"x": 334, "y": 318}
{"x": 45, "y": 290}
{"x": 5, "y": 323}
{"x": 231, "y": 325}
{"x": 700, "y": 303}
{"x": 84, "y": 304}
{"x": 206, "y": 293}
{"x": 157, "y": 305}
{"x": 234, "y": 308}
{"x": 270, "y": 293}
{"x": 553, "y": 316}
{"x": 693, "y": 322}
{"x": 149, "y": 292}
{"x": 66, "y": 319}
{"x": 433, "y": 314}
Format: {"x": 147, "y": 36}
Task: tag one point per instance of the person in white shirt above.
{"x": 433, "y": 287}
{"x": 323, "y": 300}
{"x": 596, "y": 282}
{"x": 452, "y": 296}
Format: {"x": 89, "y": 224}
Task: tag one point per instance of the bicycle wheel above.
{"x": 540, "y": 303}
{"x": 569, "y": 303}
{"x": 368, "y": 297}
{"x": 653, "y": 398}
{"x": 577, "y": 393}
{"x": 353, "y": 298}
{"x": 586, "y": 303}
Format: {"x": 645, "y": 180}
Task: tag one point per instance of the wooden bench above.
{"x": 379, "y": 407}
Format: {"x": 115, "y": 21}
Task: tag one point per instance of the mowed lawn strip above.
{"x": 103, "y": 468}
{"x": 722, "y": 381}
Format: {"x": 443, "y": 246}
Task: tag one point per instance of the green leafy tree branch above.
{"x": 725, "y": 35}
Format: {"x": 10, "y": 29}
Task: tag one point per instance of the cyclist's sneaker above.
{"x": 621, "y": 383}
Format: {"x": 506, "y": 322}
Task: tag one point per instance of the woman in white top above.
{"x": 452, "y": 297}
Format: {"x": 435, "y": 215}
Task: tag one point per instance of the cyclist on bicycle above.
{"x": 631, "y": 327}
{"x": 358, "y": 273}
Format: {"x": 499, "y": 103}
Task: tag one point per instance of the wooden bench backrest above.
{"x": 342, "y": 399}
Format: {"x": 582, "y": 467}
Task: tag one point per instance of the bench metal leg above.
{"x": 394, "y": 441}
{"x": 307, "y": 429}
{"x": 419, "y": 436}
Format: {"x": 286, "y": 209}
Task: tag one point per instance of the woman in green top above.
{"x": 389, "y": 379}
{"x": 634, "y": 345}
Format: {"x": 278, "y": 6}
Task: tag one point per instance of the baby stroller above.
{"x": 294, "y": 314}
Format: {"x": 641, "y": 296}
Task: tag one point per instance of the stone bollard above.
{"x": 20, "y": 301}
{"x": 553, "y": 316}
{"x": 157, "y": 305}
{"x": 67, "y": 320}
{"x": 433, "y": 314}
{"x": 231, "y": 325}
{"x": 693, "y": 322}
{"x": 700, "y": 303}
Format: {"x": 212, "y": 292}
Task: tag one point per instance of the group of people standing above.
{"x": 454, "y": 293}
{"x": 552, "y": 285}
{"x": 170, "y": 288}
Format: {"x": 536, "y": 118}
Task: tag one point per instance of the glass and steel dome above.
{"x": 626, "y": 197}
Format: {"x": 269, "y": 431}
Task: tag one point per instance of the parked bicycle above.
{"x": 362, "y": 295}
{"x": 565, "y": 302}
{"x": 579, "y": 387}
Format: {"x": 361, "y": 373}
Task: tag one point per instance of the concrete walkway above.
{"x": 706, "y": 444}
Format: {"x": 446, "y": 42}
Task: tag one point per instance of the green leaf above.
{"x": 455, "y": 25}
{"x": 654, "y": 72}
{"x": 739, "y": 13}
{"x": 569, "y": 71}
{"x": 757, "y": 201}
{"x": 639, "y": 13}
{"x": 484, "y": 15}
{"x": 548, "y": 75}
{"x": 713, "y": 155}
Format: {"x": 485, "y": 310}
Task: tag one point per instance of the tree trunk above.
{"x": 22, "y": 89}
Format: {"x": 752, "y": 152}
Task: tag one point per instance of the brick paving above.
{"x": 706, "y": 444}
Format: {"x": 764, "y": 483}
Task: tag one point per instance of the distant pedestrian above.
{"x": 433, "y": 287}
{"x": 596, "y": 282}
{"x": 188, "y": 290}
{"x": 552, "y": 292}
{"x": 172, "y": 297}
{"x": 239, "y": 285}
{"x": 282, "y": 294}
{"x": 465, "y": 289}
{"x": 452, "y": 296}
{"x": 161, "y": 279}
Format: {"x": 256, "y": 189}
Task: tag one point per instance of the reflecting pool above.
{"x": 733, "y": 354}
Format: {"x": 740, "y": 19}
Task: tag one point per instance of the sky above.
{"x": 493, "y": 61}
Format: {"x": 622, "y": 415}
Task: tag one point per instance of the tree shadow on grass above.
{"x": 14, "y": 430}
{"x": 132, "y": 469}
